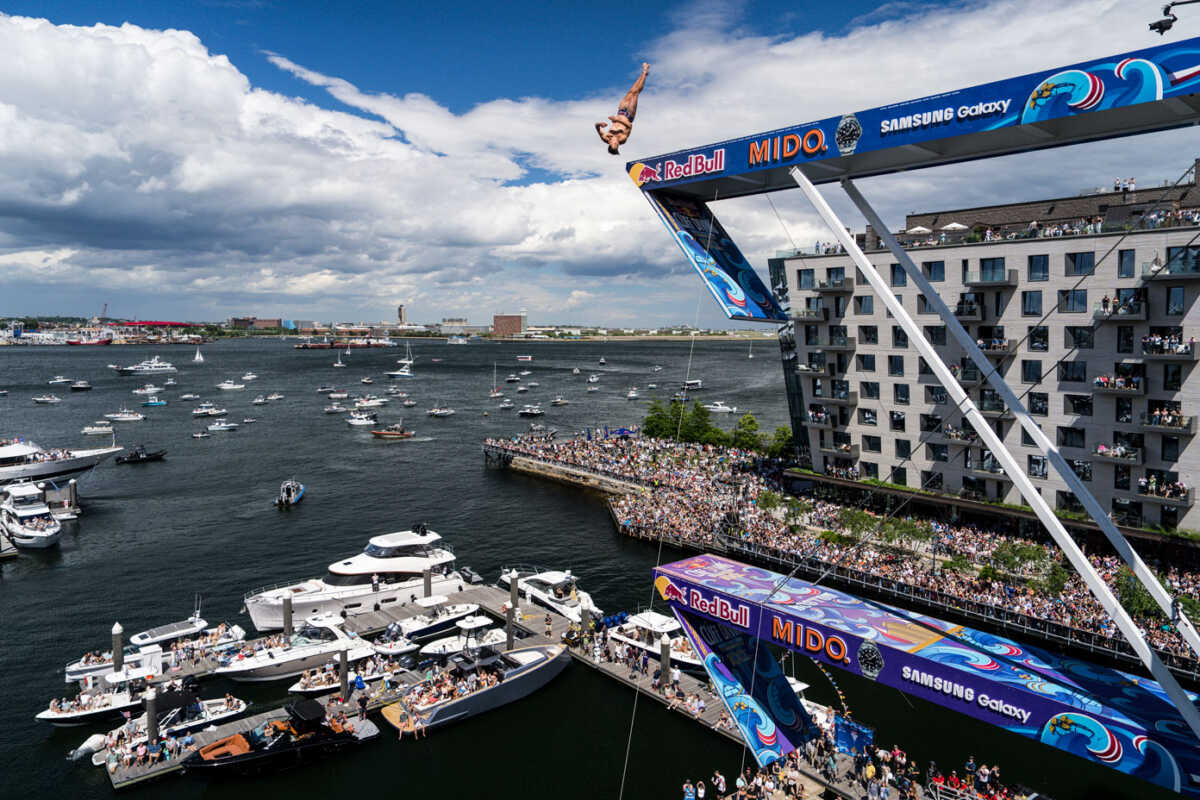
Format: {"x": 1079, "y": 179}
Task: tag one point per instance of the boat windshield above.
{"x": 399, "y": 551}
{"x": 309, "y": 634}
{"x": 360, "y": 578}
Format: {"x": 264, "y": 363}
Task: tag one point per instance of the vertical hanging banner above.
{"x": 734, "y": 284}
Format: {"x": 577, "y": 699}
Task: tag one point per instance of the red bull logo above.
{"x": 670, "y": 170}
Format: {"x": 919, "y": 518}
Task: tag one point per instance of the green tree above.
{"x": 856, "y": 522}
{"x": 696, "y": 424}
{"x": 1134, "y": 596}
{"x": 1055, "y": 580}
{"x": 782, "y": 444}
{"x": 744, "y": 435}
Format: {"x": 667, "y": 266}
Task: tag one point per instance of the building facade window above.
{"x": 1031, "y": 303}
{"x": 1078, "y": 404}
{"x": 1124, "y": 411}
{"x": 1081, "y": 263}
{"x": 1031, "y": 371}
{"x": 804, "y": 278}
{"x": 896, "y": 419}
{"x": 899, "y": 276}
{"x": 1124, "y": 338}
{"x": 899, "y": 476}
{"x": 869, "y": 390}
{"x": 870, "y": 470}
{"x": 903, "y": 448}
{"x": 864, "y": 304}
{"x": 1079, "y": 338}
{"x": 936, "y": 334}
{"x": 1039, "y": 338}
{"x": 1174, "y": 301}
{"x": 1170, "y": 448}
{"x": 1125, "y": 262}
{"x": 935, "y": 271}
{"x": 900, "y": 393}
{"x": 896, "y": 366}
{"x": 872, "y": 444}
{"x": 899, "y": 337}
{"x": 866, "y": 362}
{"x": 868, "y": 334}
{"x": 1172, "y": 377}
{"x": 1039, "y": 268}
{"x": 1071, "y": 437}
{"x": 1072, "y": 371}
{"x": 1037, "y": 466}
{"x": 1072, "y": 301}
{"x": 991, "y": 269}
{"x": 1039, "y": 403}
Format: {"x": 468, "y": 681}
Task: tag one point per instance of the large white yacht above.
{"x": 645, "y": 631}
{"x": 553, "y": 589}
{"x": 26, "y": 518}
{"x": 21, "y": 459}
{"x": 318, "y": 640}
{"x": 153, "y": 366}
{"x": 390, "y": 570}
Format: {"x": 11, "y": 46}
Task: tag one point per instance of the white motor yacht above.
{"x": 440, "y": 411}
{"x": 153, "y": 366}
{"x": 593, "y": 378}
{"x": 327, "y": 680}
{"x": 100, "y": 427}
{"x": 207, "y": 409}
{"x": 507, "y": 404}
{"x": 47, "y": 399}
{"x": 230, "y": 386}
{"x": 370, "y": 401}
{"x": 339, "y": 394}
{"x": 553, "y": 589}
{"x": 632, "y": 394}
{"x": 26, "y": 518}
{"x": 319, "y": 639}
{"x": 222, "y": 424}
{"x": 146, "y": 651}
{"x": 189, "y": 396}
{"x": 645, "y": 631}
{"x": 512, "y": 378}
{"x": 335, "y": 408}
{"x": 259, "y": 401}
{"x": 148, "y": 389}
{"x": 125, "y": 415}
{"x": 693, "y": 385}
{"x": 106, "y": 700}
{"x": 366, "y": 379}
{"x": 249, "y": 376}
{"x": 718, "y": 407}
{"x": 559, "y": 400}
{"x": 178, "y": 713}
{"x": 274, "y": 396}
{"x": 403, "y": 372}
{"x": 438, "y": 617}
{"x": 473, "y": 633}
{"x": 531, "y": 411}
{"x": 397, "y": 562}
{"x": 58, "y": 379}
{"x": 361, "y": 418}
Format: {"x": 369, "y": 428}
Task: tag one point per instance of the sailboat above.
{"x": 339, "y": 363}
{"x": 198, "y": 358}
{"x": 495, "y": 386}
{"x": 751, "y": 353}
{"x": 407, "y": 361}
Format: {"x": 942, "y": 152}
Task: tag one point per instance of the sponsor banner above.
{"x": 1142, "y": 76}
{"x": 1095, "y": 712}
{"x": 852, "y": 737}
{"x": 734, "y": 284}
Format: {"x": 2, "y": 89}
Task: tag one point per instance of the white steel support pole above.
{"x": 1073, "y": 481}
{"x": 1053, "y": 525}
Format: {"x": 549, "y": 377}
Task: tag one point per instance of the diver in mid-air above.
{"x": 622, "y": 123}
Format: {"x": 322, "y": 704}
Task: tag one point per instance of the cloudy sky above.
{"x": 332, "y": 160}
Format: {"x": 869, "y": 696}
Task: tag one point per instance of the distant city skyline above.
{"x": 207, "y": 161}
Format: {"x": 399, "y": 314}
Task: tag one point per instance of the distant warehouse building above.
{"x": 508, "y": 324}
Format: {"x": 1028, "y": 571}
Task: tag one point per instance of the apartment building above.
{"x": 1090, "y": 318}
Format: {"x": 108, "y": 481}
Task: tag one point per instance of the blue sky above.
{"x": 318, "y": 160}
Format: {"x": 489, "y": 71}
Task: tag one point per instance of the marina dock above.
{"x": 528, "y": 628}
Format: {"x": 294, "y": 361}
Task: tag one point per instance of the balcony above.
{"x": 840, "y": 399}
{"x": 1184, "y": 351}
{"x": 821, "y": 419}
{"x": 1117, "y": 455}
{"x": 1108, "y": 384}
{"x": 811, "y": 315}
{"x": 1129, "y": 311}
{"x": 1006, "y": 277}
{"x": 1172, "y": 424}
{"x": 1183, "y": 500}
{"x": 839, "y": 343}
{"x": 835, "y": 286}
{"x": 810, "y": 369}
{"x": 998, "y": 348}
{"x": 1174, "y": 271}
{"x": 969, "y": 312}
{"x": 987, "y": 470}
{"x": 840, "y": 451}
{"x": 960, "y": 437}
{"x": 968, "y": 376}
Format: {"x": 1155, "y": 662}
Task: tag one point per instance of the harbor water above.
{"x": 153, "y": 536}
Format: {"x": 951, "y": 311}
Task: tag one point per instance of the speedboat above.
{"x": 125, "y": 415}
{"x": 193, "y": 625}
{"x": 523, "y": 373}
{"x": 718, "y": 407}
{"x": 106, "y": 702}
{"x": 645, "y": 631}
{"x": 291, "y": 492}
{"x": 153, "y": 366}
{"x": 169, "y": 382}
{"x": 656, "y": 368}
{"x": 396, "y": 561}
{"x": 409, "y": 402}
{"x": 339, "y": 394}
{"x": 593, "y": 388}
{"x": 370, "y": 401}
{"x": 393, "y": 643}
{"x": 552, "y": 589}
{"x": 507, "y": 404}
{"x": 512, "y": 378}
{"x": 26, "y": 518}
{"x": 632, "y": 394}
{"x": 335, "y": 408}
{"x": 403, "y": 372}
{"x": 201, "y": 435}
{"x": 189, "y": 396}
{"x": 325, "y": 388}
{"x": 396, "y": 391}
{"x": 178, "y": 713}
{"x": 361, "y": 418}
{"x": 249, "y": 376}
{"x": 259, "y": 401}
{"x": 327, "y": 680}
{"x": 274, "y": 396}
{"x": 248, "y": 420}
{"x": 473, "y": 632}
{"x": 602, "y": 361}
{"x": 155, "y": 402}
{"x": 207, "y": 409}
{"x": 229, "y": 386}
{"x": 651, "y": 385}
{"x": 81, "y": 386}
{"x": 395, "y": 431}
{"x": 139, "y": 455}
{"x": 440, "y": 411}
{"x": 100, "y": 427}
{"x": 487, "y": 680}
{"x": 58, "y": 379}
{"x": 593, "y": 378}
{"x": 319, "y": 639}
{"x": 222, "y": 424}
{"x": 510, "y": 676}
{"x": 302, "y": 736}
{"x": 533, "y": 384}
{"x": 522, "y": 389}
{"x": 524, "y": 358}
{"x": 367, "y": 379}
{"x": 531, "y": 411}
{"x": 47, "y": 399}
{"x": 438, "y": 617}
{"x": 559, "y": 400}
{"x": 145, "y": 648}
{"x": 147, "y": 389}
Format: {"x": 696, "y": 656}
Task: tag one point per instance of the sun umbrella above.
{"x": 919, "y": 229}
{"x": 954, "y": 226}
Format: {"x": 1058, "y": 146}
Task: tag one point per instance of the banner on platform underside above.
{"x": 756, "y": 693}
{"x": 734, "y": 284}
{"x": 1038, "y": 100}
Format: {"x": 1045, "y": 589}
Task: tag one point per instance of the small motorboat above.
{"x": 303, "y": 735}
{"x": 524, "y": 358}
{"x": 291, "y": 492}
{"x": 230, "y": 386}
{"x": 559, "y": 400}
{"x": 512, "y": 378}
{"x": 370, "y": 401}
{"x": 575, "y": 371}
{"x": 522, "y": 389}
{"x": 125, "y": 415}
{"x": 366, "y": 379}
{"x": 169, "y": 382}
{"x": 656, "y": 368}
{"x": 207, "y": 409}
{"x": 645, "y": 632}
{"x": 148, "y": 389}
{"x": 507, "y": 404}
{"x": 155, "y": 402}
{"x": 523, "y": 373}
{"x": 533, "y": 384}
{"x": 393, "y": 643}
{"x": 335, "y": 408}
{"x": 473, "y": 632}
{"x": 47, "y": 399}
{"x": 651, "y": 385}
{"x": 531, "y": 411}
{"x": 396, "y": 391}
{"x": 100, "y": 427}
{"x": 440, "y": 411}
{"x": 593, "y": 388}
{"x": 249, "y": 420}
{"x": 189, "y": 396}
{"x": 593, "y": 378}
{"x": 361, "y": 418}
{"x": 179, "y": 713}
{"x": 201, "y": 435}
{"x": 718, "y": 407}
{"x": 403, "y": 372}
{"x": 274, "y": 396}
{"x": 222, "y": 424}
{"x": 325, "y": 388}
{"x": 259, "y": 401}
{"x": 249, "y": 376}
{"x": 632, "y": 394}
{"x": 554, "y": 589}
{"x": 603, "y": 361}
{"x": 409, "y": 402}
{"x": 57, "y": 379}
{"x": 395, "y": 431}
{"x": 26, "y": 519}
{"x": 81, "y": 386}
{"x": 140, "y": 455}
{"x": 338, "y": 394}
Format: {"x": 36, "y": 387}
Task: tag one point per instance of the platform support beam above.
{"x": 971, "y": 413}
